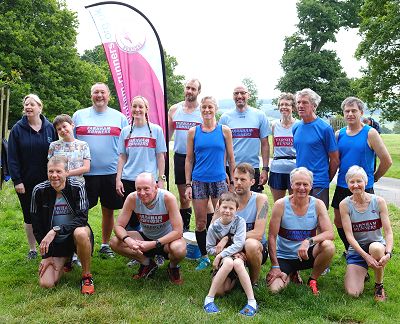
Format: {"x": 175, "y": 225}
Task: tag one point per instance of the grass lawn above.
{"x": 392, "y": 144}
{"x": 120, "y": 299}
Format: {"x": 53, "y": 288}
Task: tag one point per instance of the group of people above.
{"x": 217, "y": 168}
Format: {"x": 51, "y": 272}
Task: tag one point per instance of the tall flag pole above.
{"x": 135, "y": 56}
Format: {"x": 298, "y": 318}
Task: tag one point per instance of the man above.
{"x": 100, "y": 127}
{"x": 250, "y": 130}
{"x": 59, "y": 211}
{"x": 181, "y": 117}
{"x": 253, "y": 207}
{"x": 293, "y": 241}
{"x": 315, "y": 144}
{"x": 158, "y": 214}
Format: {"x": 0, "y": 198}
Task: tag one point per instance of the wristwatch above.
{"x": 162, "y": 177}
{"x": 158, "y": 244}
{"x": 266, "y": 168}
{"x": 56, "y": 229}
{"x": 390, "y": 254}
{"x": 311, "y": 241}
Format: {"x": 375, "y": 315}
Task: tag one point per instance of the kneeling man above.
{"x": 59, "y": 211}
{"x": 158, "y": 213}
{"x": 293, "y": 241}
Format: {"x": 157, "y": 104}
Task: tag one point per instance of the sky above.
{"x": 220, "y": 42}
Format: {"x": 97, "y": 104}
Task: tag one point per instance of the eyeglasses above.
{"x": 242, "y": 93}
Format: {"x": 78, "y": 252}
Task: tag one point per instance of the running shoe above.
{"x": 146, "y": 271}
{"x": 175, "y": 275}
{"x": 248, "y": 311}
{"x": 31, "y": 255}
{"x": 296, "y": 278}
{"x": 211, "y": 308}
{"x": 106, "y": 253}
{"x": 312, "y": 283}
{"x": 204, "y": 262}
{"x": 76, "y": 261}
{"x": 68, "y": 266}
{"x": 131, "y": 263}
{"x": 87, "y": 286}
{"x": 379, "y": 295}
{"x": 159, "y": 259}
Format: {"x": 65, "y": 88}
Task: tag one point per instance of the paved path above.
{"x": 388, "y": 188}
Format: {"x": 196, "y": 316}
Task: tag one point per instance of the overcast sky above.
{"x": 220, "y": 42}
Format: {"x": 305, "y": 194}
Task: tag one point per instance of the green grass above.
{"x": 119, "y": 299}
{"x": 392, "y": 144}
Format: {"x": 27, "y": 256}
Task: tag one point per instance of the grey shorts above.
{"x": 205, "y": 190}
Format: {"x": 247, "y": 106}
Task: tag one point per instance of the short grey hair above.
{"x": 58, "y": 159}
{"x": 315, "y": 98}
{"x": 354, "y": 171}
{"x": 302, "y": 170}
{"x": 350, "y": 101}
{"x": 97, "y": 84}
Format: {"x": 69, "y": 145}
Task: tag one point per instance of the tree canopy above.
{"x": 307, "y": 64}
{"x": 38, "y": 54}
{"x": 380, "y": 47}
{"x": 253, "y": 92}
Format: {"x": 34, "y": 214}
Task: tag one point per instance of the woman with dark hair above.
{"x": 28, "y": 145}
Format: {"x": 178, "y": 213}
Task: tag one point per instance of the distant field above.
{"x": 392, "y": 143}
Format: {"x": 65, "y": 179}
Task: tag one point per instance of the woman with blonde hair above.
{"x": 28, "y": 145}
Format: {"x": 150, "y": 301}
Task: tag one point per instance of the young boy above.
{"x": 76, "y": 151}
{"x": 78, "y": 156}
{"x": 230, "y": 257}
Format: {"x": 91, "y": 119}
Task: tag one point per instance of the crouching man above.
{"x": 158, "y": 213}
{"x": 300, "y": 235}
{"x": 59, "y": 211}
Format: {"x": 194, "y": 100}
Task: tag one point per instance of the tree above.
{"x": 38, "y": 44}
{"x": 396, "y": 127}
{"x": 253, "y": 93}
{"x": 380, "y": 47}
{"x": 306, "y": 64}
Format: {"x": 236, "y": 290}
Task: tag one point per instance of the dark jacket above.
{"x": 42, "y": 207}
{"x": 27, "y": 151}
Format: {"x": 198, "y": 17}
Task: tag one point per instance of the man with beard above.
{"x": 253, "y": 207}
{"x": 181, "y": 117}
{"x": 100, "y": 126}
{"x": 250, "y": 130}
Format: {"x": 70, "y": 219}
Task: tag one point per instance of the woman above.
{"x": 284, "y": 153}
{"x": 28, "y": 145}
{"x": 363, "y": 217}
{"x": 141, "y": 148}
{"x": 358, "y": 144}
{"x": 207, "y": 145}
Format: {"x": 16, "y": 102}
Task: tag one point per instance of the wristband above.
{"x": 390, "y": 254}
{"x": 275, "y": 267}
{"x": 124, "y": 238}
{"x": 265, "y": 168}
{"x": 188, "y": 185}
